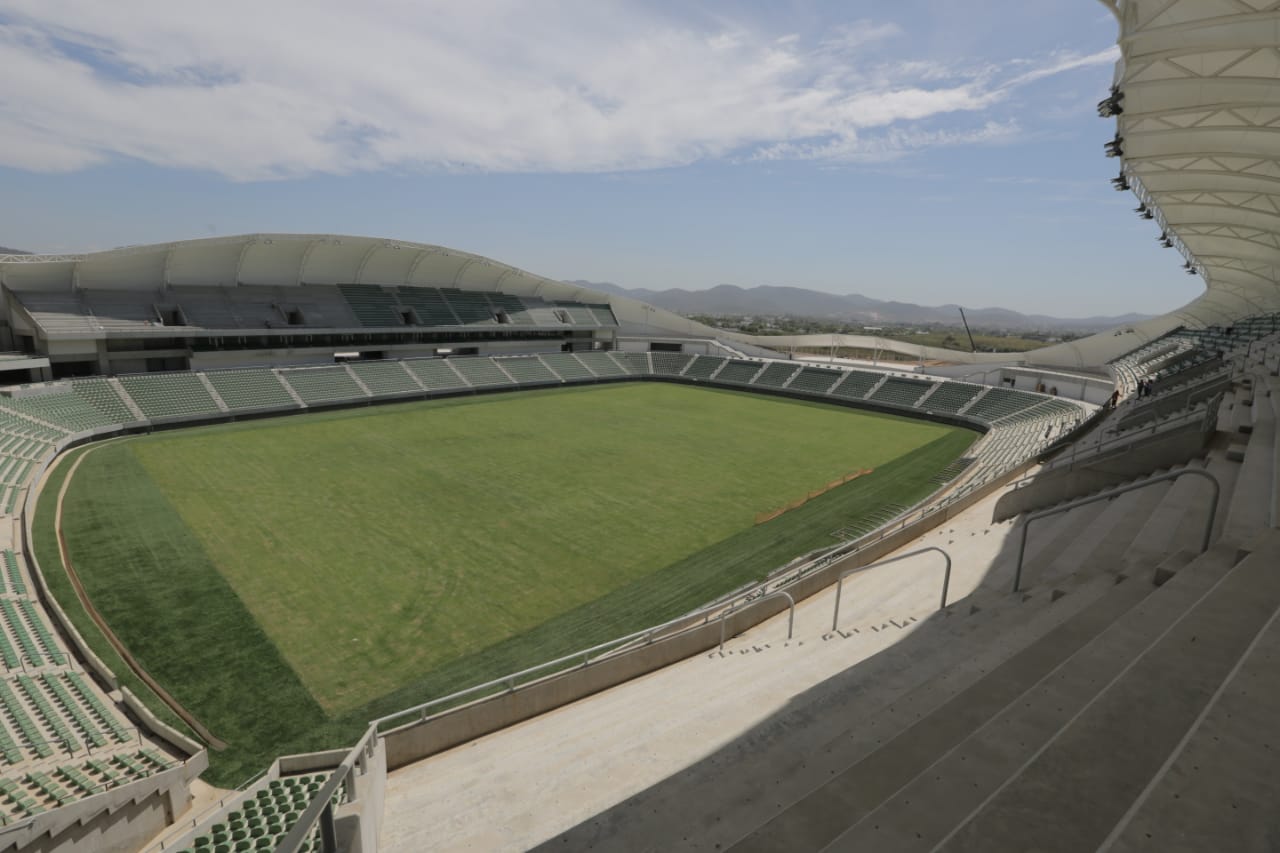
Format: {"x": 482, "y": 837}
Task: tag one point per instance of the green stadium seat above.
{"x": 250, "y": 390}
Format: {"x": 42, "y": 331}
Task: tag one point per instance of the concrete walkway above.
{"x": 524, "y": 785}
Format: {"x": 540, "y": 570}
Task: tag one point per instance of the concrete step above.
{"x": 1046, "y": 535}
{"x": 850, "y": 795}
{"x": 1130, "y": 512}
{"x": 1219, "y": 790}
{"x": 1163, "y": 534}
{"x": 1249, "y": 507}
{"x": 925, "y": 811}
{"x": 1081, "y": 527}
{"x": 1105, "y": 540}
{"x": 1228, "y": 473}
{"x": 717, "y": 800}
{"x": 1119, "y": 741}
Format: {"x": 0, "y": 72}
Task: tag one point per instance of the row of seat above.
{"x": 309, "y": 307}
{"x": 375, "y": 306}
{"x": 263, "y": 817}
{"x": 36, "y": 791}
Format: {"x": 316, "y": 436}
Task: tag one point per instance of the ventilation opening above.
{"x": 562, "y": 315}
{"x": 408, "y": 317}
{"x": 170, "y": 315}
{"x": 502, "y": 317}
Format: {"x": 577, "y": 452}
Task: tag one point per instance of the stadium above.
{"x": 332, "y": 542}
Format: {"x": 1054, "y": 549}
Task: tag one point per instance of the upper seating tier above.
{"x": 188, "y": 310}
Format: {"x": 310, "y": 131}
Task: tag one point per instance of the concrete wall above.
{"x": 1144, "y": 456}
{"x": 121, "y": 819}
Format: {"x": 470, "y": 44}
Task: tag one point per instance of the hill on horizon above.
{"x": 727, "y": 299}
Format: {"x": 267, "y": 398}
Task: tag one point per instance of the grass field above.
{"x": 289, "y": 579}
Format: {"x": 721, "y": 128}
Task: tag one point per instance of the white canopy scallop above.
{"x": 1199, "y": 130}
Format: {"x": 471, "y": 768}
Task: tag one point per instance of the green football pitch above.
{"x": 289, "y": 579}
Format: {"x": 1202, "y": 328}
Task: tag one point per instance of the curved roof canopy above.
{"x": 282, "y": 260}
{"x": 1198, "y": 127}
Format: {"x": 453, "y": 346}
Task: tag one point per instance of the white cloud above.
{"x": 257, "y": 90}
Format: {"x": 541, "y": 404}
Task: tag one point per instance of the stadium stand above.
{"x": 664, "y": 363}
{"x": 601, "y": 364}
{"x": 429, "y": 305}
{"x": 739, "y": 372}
{"x": 816, "y": 380}
{"x": 385, "y": 377}
{"x": 639, "y": 364}
{"x": 704, "y": 367}
{"x": 900, "y": 392}
{"x": 264, "y": 816}
{"x": 856, "y": 384}
{"x": 436, "y": 374}
{"x": 161, "y": 395}
{"x": 250, "y": 390}
{"x": 999, "y": 403}
{"x": 61, "y": 407}
{"x": 101, "y": 394}
{"x": 527, "y": 370}
{"x": 470, "y": 307}
{"x": 579, "y": 314}
{"x": 951, "y": 397}
{"x": 126, "y": 313}
{"x": 62, "y": 738}
{"x": 776, "y": 375}
{"x": 569, "y": 367}
{"x": 372, "y": 305}
{"x": 323, "y": 384}
{"x": 480, "y": 372}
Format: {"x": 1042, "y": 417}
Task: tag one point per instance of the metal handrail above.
{"x": 946, "y": 577}
{"x": 1120, "y": 490}
{"x": 791, "y": 619}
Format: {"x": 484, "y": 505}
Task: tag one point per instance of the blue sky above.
{"x": 925, "y": 150}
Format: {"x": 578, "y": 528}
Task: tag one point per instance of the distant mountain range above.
{"x": 4, "y": 251}
{"x": 727, "y": 299}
